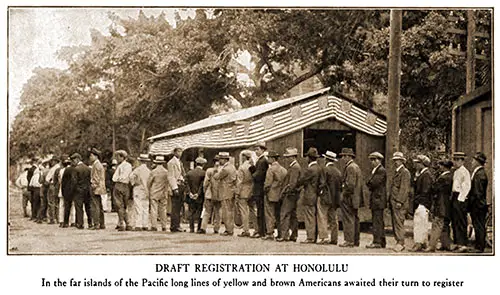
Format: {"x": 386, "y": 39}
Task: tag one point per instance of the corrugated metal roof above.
{"x": 239, "y": 115}
{"x": 278, "y": 124}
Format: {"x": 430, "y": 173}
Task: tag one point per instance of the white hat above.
{"x": 330, "y": 155}
{"x": 144, "y": 157}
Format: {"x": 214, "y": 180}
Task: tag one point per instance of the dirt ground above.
{"x": 27, "y": 237}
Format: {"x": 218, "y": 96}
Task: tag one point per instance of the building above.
{"x": 472, "y": 128}
{"x": 322, "y": 119}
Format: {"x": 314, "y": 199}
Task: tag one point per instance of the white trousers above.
{"x": 141, "y": 209}
{"x": 105, "y": 206}
{"x": 421, "y": 225}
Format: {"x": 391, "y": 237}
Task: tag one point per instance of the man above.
{"x": 194, "y": 180}
{"x": 460, "y": 190}
{"x": 422, "y": 202}
{"x": 22, "y": 183}
{"x": 478, "y": 206}
{"x": 330, "y": 201}
{"x": 259, "y": 170}
{"x": 158, "y": 193}
{"x": 67, "y": 192}
{"x": 59, "y": 174}
{"x": 52, "y": 194}
{"x": 378, "y": 199}
{"x": 398, "y": 199}
{"x": 139, "y": 179}
{"x": 273, "y": 185}
{"x": 211, "y": 205}
{"x": 121, "y": 193}
{"x": 227, "y": 183}
{"x": 44, "y": 190}
{"x": 110, "y": 185}
{"x": 352, "y": 190}
{"x": 98, "y": 186}
{"x": 35, "y": 184}
{"x": 81, "y": 175}
{"x": 176, "y": 182}
{"x": 29, "y": 176}
{"x": 244, "y": 192}
{"x": 441, "y": 192}
{"x": 291, "y": 194}
{"x": 311, "y": 180}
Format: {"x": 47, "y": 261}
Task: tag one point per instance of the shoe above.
{"x": 418, "y": 247}
{"x": 176, "y": 230}
{"x": 26, "y": 215}
{"x": 51, "y": 222}
{"x": 39, "y": 222}
{"x": 80, "y": 227}
{"x": 268, "y": 237}
{"x": 255, "y": 235}
{"x": 163, "y": 229}
{"x": 61, "y": 224}
{"x": 137, "y": 228}
{"x": 430, "y": 249}
{"x": 226, "y": 233}
{"x": 120, "y": 228}
{"x": 216, "y": 231}
{"x": 129, "y": 228}
{"x": 447, "y": 249}
{"x": 347, "y": 245}
{"x": 117, "y": 227}
{"x": 333, "y": 242}
{"x": 308, "y": 241}
{"x": 201, "y": 231}
{"x": 373, "y": 246}
{"x": 461, "y": 249}
{"x": 244, "y": 234}
{"x": 153, "y": 229}
{"x": 292, "y": 239}
{"x": 73, "y": 225}
{"x": 323, "y": 242}
{"x": 398, "y": 248}
{"x": 145, "y": 229}
{"x": 191, "y": 230}
{"x": 476, "y": 251}
{"x": 280, "y": 240}
{"x": 102, "y": 227}
{"x": 65, "y": 226}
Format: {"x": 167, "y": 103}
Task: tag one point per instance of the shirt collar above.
{"x": 477, "y": 169}
{"x": 444, "y": 173}
{"x": 293, "y": 163}
{"x": 261, "y": 155}
{"x": 423, "y": 170}
{"x": 312, "y": 163}
{"x": 375, "y": 169}
{"x": 348, "y": 163}
{"x": 329, "y": 164}
{"x": 399, "y": 168}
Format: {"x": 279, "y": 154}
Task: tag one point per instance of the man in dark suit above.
{"x": 478, "y": 206}
{"x": 398, "y": 199}
{"x": 312, "y": 181}
{"x": 259, "y": 170}
{"x": 67, "y": 191}
{"x": 352, "y": 187}
{"x": 81, "y": 180}
{"x": 422, "y": 202}
{"x": 441, "y": 193}
{"x": 291, "y": 194}
{"x": 378, "y": 199}
{"x": 194, "y": 179}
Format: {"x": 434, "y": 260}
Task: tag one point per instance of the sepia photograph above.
{"x": 250, "y": 131}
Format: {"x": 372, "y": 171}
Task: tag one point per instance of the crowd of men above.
{"x": 265, "y": 195}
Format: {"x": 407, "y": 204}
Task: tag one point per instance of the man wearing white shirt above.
{"x": 460, "y": 190}
{"x": 22, "y": 183}
{"x": 52, "y": 194}
{"x": 139, "y": 180}
{"x": 121, "y": 193}
{"x": 35, "y": 185}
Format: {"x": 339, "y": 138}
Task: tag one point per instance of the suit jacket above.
{"x": 312, "y": 181}
{"x": 57, "y": 183}
{"x": 377, "y": 186}
{"x": 423, "y": 185}
{"x": 194, "y": 181}
{"x": 291, "y": 187}
{"x": 259, "y": 176}
{"x": 81, "y": 178}
{"x": 273, "y": 184}
{"x": 211, "y": 185}
{"x": 477, "y": 193}
{"x": 441, "y": 193}
{"x": 67, "y": 183}
{"x": 334, "y": 183}
{"x": 245, "y": 181}
{"x": 352, "y": 185}
{"x": 400, "y": 187}
{"x": 227, "y": 181}
{"x": 175, "y": 173}
{"x": 98, "y": 178}
{"x": 158, "y": 183}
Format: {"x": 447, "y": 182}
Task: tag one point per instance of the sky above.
{"x": 35, "y": 35}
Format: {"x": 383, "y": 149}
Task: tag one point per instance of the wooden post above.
{"x": 113, "y": 118}
{"x": 471, "y": 52}
{"x": 392, "y": 134}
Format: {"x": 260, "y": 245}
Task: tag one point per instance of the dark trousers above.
{"x": 459, "y": 220}
{"x": 121, "y": 196}
{"x": 261, "y": 214}
{"x": 68, "y": 201}
{"x": 195, "y": 209}
{"x": 398, "y": 222}
{"x": 53, "y": 204}
{"x": 175, "y": 214}
{"x": 478, "y": 216}
{"x": 97, "y": 211}
{"x": 378, "y": 227}
{"x": 44, "y": 203}
{"x": 35, "y": 203}
{"x": 350, "y": 222}
{"x": 288, "y": 216}
{"x": 82, "y": 199}
{"x": 445, "y": 234}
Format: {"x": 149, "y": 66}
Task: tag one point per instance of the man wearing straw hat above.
{"x": 244, "y": 192}
{"x": 460, "y": 191}
{"x": 352, "y": 185}
{"x": 259, "y": 170}
{"x": 378, "y": 199}
{"x": 98, "y": 185}
{"x": 312, "y": 182}
{"x": 398, "y": 199}
{"x": 158, "y": 193}
{"x": 121, "y": 192}
{"x": 227, "y": 183}
{"x": 272, "y": 202}
{"x": 328, "y": 203}
{"x": 194, "y": 181}
{"x": 176, "y": 180}
{"x": 478, "y": 206}
{"x": 139, "y": 179}
{"x": 422, "y": 202}
{"x": 291, "y": 194}
{"x": 81, "y": 175}
{"x": 211, "y": 205}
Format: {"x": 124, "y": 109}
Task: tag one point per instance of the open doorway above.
{"x": 331, "y": 140}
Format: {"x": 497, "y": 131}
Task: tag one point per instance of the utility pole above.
{"x": 394, "y": 84}
{"x": 113, "y": 117}
{"x": 471, "y": 52}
